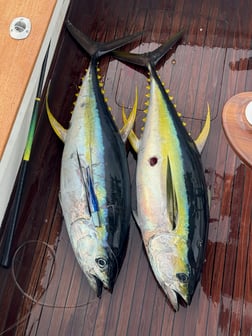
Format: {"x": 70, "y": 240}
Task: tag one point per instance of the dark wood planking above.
{"x": 207, "y": 69}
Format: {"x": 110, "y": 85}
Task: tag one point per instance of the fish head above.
{"x": 168, "y": 256}
{"x": 98, "y": 262}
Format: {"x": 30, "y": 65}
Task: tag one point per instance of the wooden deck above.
{"x": 44, "y": 292}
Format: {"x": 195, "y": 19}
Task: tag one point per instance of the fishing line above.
{"x": 30, "y": 297}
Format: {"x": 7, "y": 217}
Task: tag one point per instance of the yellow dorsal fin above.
{"x": 201, "y": 140}
{"x": 58, "y": 129}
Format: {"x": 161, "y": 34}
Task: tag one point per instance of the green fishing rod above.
{"x": 5, "y": 255}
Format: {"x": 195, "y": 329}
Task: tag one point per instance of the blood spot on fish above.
{"x": 153, "y": 161}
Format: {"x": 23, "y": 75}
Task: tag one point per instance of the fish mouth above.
{"x": 172, "y": 296}
{"x": 99, "y": 286}
{"x": 175, "y": 298}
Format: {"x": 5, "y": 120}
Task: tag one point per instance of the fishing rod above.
{"x": 5, "y": 256}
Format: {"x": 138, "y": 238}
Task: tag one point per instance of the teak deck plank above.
{"x": 211, "y": 64}
{"x": 18, "y": 57}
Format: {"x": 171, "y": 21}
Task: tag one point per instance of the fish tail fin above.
{"x": 98, "y": 49}
{"x": 152, "y": 57}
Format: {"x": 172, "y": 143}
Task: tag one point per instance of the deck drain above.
{"x": 20, "y": 28}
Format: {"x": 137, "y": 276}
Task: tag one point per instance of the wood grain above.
{"x": 212, "y": 64}
{"x": 17, "y": 57}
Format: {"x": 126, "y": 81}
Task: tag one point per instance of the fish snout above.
{"x": 99, "y": 286}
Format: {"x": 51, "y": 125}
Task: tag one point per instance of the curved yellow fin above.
{"x": 58, "y": 129}
{"x": 201, "y": 140}
{"x": 133, "y": 139}
{"x": 129, "y": 122}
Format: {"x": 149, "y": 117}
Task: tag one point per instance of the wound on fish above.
{"x": 153, "y": 161}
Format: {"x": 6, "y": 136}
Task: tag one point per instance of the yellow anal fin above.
{"x": 133, "y": 139}
{"x": 201, "y": 140}
{"x": 58, "y": 129}
{"x": 129, "y": 122}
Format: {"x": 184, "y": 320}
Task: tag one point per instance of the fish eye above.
{"x": 101, "y": 262}
{"x": 184, "y": 278}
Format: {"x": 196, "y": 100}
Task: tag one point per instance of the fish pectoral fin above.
{"x": 92, "y": 200}
{"x": 172, "y": 205}
{"x": 58, "y": 129}
{"x": 201, "y": 140}
{"x": 129, "y": 122}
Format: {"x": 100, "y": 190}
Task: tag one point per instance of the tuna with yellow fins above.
{"x": 172, "y": 198}
{"x": 94, "y": 182}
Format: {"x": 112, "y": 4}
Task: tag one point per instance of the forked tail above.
{"x": 98, "y": 49}
{"x": 148, "y": 58}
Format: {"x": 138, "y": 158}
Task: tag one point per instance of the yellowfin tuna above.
{"x": 94, "y": 183}
{"x": 172, "y": 201}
